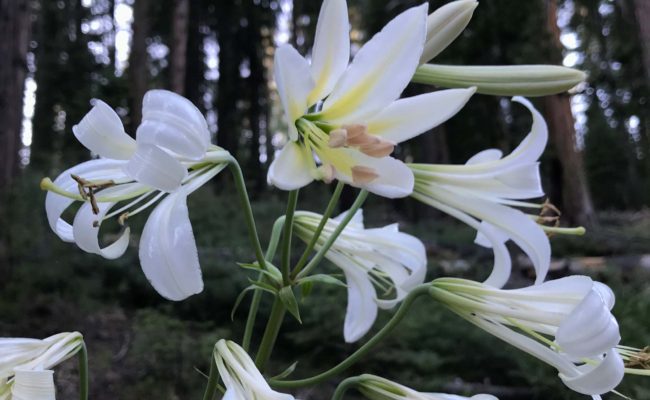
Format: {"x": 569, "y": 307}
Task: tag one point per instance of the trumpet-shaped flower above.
{"x": 385, "y": 257}
{"x": 444, "y": 25}
{"x": 241, "y": 377}
{"x": 135, "y": 174}
{"x": 345, "y": 120}
{"x": 24, "y": 364}
{"x": 479, "y": 193}
{"x": 566, "y": 323}
{"x": 377, "y": 388}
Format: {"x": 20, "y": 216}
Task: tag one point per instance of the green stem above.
{"x": 257, "y": 295}
{"x": 286, "y": 236}
{"x": 83, "y": 372}
{"x": 270, "y": 334}
{"x": 363, "y": 350}
{"x": 330, "y": 241}
{"x": 326, "y": 216}
{"x": 248, "y": 211}
{"x": 343, "y": 387}
{"x": 213, "y": 379}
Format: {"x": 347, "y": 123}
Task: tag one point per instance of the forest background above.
{"x": 56, "y": 55}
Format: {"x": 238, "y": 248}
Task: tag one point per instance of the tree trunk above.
{"x": 138, "y": 60}
{"x": 178, "y": 54}
{"x": 194, "y": 63}
{"x": 576, "y": 201}
{"x": 14, "y": 41}
{"x": 642, "y": 12}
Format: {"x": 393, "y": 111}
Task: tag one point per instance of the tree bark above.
{"x": 178, "y": 56}
{"x": 14, "y": 42}
{"x": 194, "y": 56}
{"x": 576, "y": 201}
{"x": 642, "y": 12}
{"x": 138, "y": 60}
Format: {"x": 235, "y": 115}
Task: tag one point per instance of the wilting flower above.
{"x": 25, "y": 364}
{"x": 240, "y": 375}
{"x": 566, "y": 323}
{"x": 377, "y": 388}
{"x": 393, "y": 261}
{"x": 480, "y": 192}
{"x": 344, "y": 120}
{"x": 135, "y": 174}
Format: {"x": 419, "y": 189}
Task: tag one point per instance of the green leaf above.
{"x": 264, "y": 286}
{"x": 239, "y": 299}
{"x": 306, "y": 288}
{"x": 271, "y": 271}
{"x": 289, "y": 300}
{"x": 322, "y": 278}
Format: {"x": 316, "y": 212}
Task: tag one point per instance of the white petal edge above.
{"x": 444, "y": 25}
{"x": 86, "y": 234}
{"x": 331, "y": 52}
{"x": 599, "y": 379}
{"x": 156, "y": 168}
{"x": 411, "y": 116}
{"x": 380, "y": 70}
{"x": 168, "y": 253}
{"x": 291, "y": 168}
{"x": 294, "y": 83}
{"x": 101, "y": 131}
{"x": 172, "y": 122}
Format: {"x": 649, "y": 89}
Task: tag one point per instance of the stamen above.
{"x": 326, "y": 173}
{"x": 356, "y": 134}
{"x": 362, "y": 175}
{"x": 639, "y": 360}
{"x": 122, "y": 218}
{"x": 380, "y": 148}
{"x": 338, "y": 138}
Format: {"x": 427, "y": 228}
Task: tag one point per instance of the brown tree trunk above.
{"x": 642, "y": 12}
{"x": 178, "y": 54}
{"x": 14, "y": 40}
{"x": 138, "y": 71}
{"x": 576, "y": 201}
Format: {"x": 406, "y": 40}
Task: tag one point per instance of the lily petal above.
{"x": 86, "y": 234}
{"x": 56, "y": 204}
{"x": 293, "y": 78}
{"x": 33, "y": 385}
{"x": 155, "y": 167}
{"x": 331, "y": 51}
{"x": 445, "y": 24}
{"x": 172, "y": 122}
{"x": 380, "y": 70}
{"x": 290, "y": 169}
{"x": 409, "y": 117}
{"x": 362, "y": 309}
{"x": 598, "y": 379}
{"x": 101, "y": 131}
{"x": 589, "y": 330}
{"x": 168, "y": 252}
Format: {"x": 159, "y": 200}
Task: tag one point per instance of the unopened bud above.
{"x": 507, "y": 80}
{"x": 444, "y": 25}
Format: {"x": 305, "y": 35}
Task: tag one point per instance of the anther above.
{"x": 361, "y": 174}
{"x": 338, "y": 138}
{"x": 378, "y": 149}
{"x": 356, "y": 134}
{"x": 326, "y": 173}
{"x": 122, "y": 218}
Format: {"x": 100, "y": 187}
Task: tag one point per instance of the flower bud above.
{"x": 507, "y": 80}
{"x": 444, "y": 25}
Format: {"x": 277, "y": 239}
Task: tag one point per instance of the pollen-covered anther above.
{"x": 362, "y": 175}
{"x": 326, "y": 173}
{"x": 338, "y": 138}
{"x": 122, "y": 218}
{"x": 378, "y": 148}
{"x": 357, "y": 134}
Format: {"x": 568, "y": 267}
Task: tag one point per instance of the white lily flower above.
{"x": 21, "y": 356}
{"x": 241, "y": 377}
{"x": 377, "y": 388}
{"x": 392, "y": 260}
{"x": 566, "y": 323}
{"x": 136, "y": 174}
{"x": 344, "y": 120}
{"x": 479, "y": 193}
